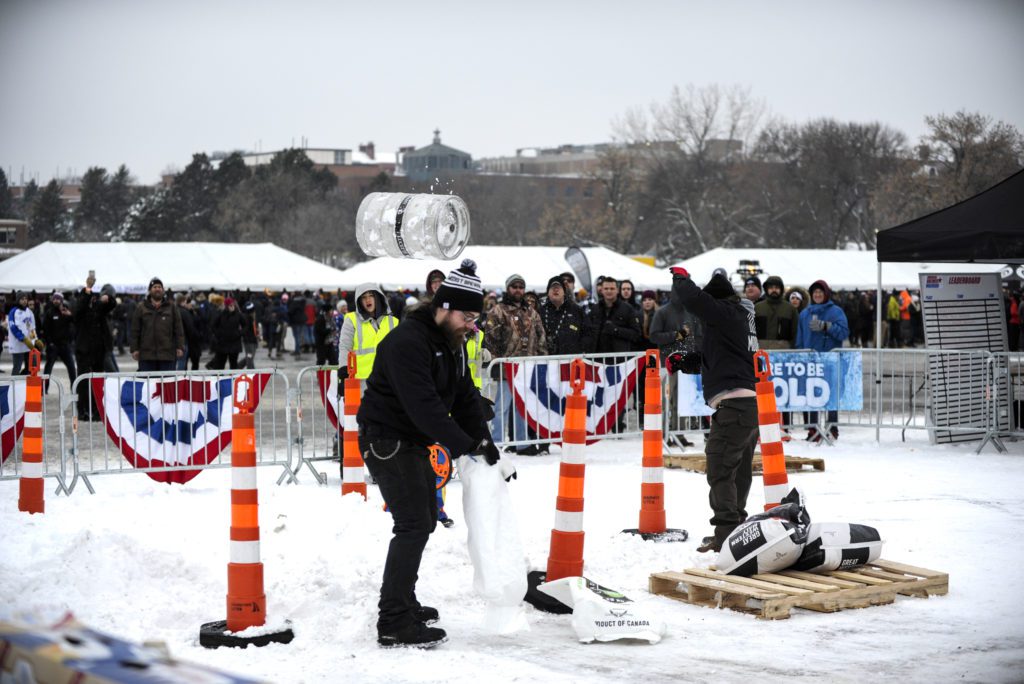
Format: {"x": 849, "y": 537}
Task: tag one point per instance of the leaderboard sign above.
{"x": 964, "y": 312}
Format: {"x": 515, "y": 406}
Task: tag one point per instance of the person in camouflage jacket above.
{"x": 512, "y": 329}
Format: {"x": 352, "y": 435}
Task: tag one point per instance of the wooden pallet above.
{"x": 698, "y": 462}
{"x": 773, "y": 596}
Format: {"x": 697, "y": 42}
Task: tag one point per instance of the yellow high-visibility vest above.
{"x": 473, "y": 354}
{"x": 365, "y": 341}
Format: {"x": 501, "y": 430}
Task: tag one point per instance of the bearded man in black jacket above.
{"x": 727, "y": 368}
{"x": 420, "y": 392}
{"x": 566, "y": 329}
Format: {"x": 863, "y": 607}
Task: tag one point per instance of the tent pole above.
{"x": 878, "y": 357}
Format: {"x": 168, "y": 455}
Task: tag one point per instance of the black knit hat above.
{"x": 753, "y": 280}
{"x": 155, "y": 281}
{"x": 555, "y": 280}
{"x": 461, "y": 290}
{"x": 719, "y": 287}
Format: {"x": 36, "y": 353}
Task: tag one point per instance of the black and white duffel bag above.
{"x": 838, "y": 546}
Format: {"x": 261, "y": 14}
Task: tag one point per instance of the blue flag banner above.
{"x": 804, "y": 381}
{"x": 812, "y": 381}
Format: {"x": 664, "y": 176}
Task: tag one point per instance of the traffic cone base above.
{"x": 216, "y": 634}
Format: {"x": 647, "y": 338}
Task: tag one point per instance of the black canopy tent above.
{"x": 986, "y": 228}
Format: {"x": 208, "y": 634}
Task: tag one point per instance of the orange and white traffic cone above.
{"x": 773, "y": 460}
{"x": 353, "y": 480}
{"x": 652, "y": 488}
{"x": 30, "y": 486}
{"x": 246, "y": 601}
{"x": 565, "y": 557}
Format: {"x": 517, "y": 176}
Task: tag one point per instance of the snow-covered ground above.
{"x": 147, "y": 561}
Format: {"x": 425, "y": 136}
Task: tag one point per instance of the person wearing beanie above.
{"x": 752, "y": 288}
{"x": 822, "y": 327}
{"x": 157, "y": 337}
{"x": 727, "y": 368}
{"x": 774, "y": 318}
{"x": 363, "y": 329}
{"x": 227, "y": 329}
{"x": 420, "y": 393}
{"x": 566, "y": 330}
{"x": 627, "y": 292}
{"x": 57, "y": 329}
{"x": 512, "y": 330}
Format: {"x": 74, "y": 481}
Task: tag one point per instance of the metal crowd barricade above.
{"x": 12, "y": 398}
{"x": 93, "y": 448}
{"x": 536, "y": 371}
{"x": 1008, "y": 379}
{"x": 319, "y": 412}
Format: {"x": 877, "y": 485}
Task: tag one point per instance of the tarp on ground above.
{"x": 181, "y": 265}
{"x": 985, "y": 228}
{"x": 496, "y": 263}
{"x": 841, "y": 269}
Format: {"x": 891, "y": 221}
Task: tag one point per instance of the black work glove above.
{"x": 495, "y": 371}
{"x": 487, "y": 449}
{"x": 342, "y": 373}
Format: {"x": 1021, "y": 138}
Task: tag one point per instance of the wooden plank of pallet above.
{"x": 774, "y": 595}
{"x": 698, "y": 463}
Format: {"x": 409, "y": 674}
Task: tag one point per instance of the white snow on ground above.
{"x": 148, "y": 561}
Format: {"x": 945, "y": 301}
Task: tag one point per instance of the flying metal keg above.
{"x": 410, "y": 226}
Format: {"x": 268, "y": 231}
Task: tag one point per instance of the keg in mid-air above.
{"x": 409, "y": 226}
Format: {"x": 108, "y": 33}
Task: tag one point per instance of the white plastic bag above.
{"x": 499, "y": 564}
{"x": 603, "y": 614}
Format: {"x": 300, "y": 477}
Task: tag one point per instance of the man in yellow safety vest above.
{"x": 363, "y": 330}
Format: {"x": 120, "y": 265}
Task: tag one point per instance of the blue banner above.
{"x": 804, "y": 381}
{"x": 811, "y": 381}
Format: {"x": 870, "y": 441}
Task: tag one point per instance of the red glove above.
{"x": 680, "y": 271}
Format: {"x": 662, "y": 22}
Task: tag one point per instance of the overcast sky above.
{"x": 104, "y": 82}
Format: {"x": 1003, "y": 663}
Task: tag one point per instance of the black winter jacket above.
{"x": 92, "y": 323}
{"x": 729, "y": 338}
{"x": 566, "y": 329}
{"x": 57, "y": 328}
{"x": 226, "y": 329}
{"x": 615, "y": 329}
{"x": 420, "y": 389}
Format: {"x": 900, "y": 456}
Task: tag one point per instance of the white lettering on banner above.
{"x": 245, "y": 552}
{"x": 573, "y": 453}
{"x": 243, "y": 478}
{"x": 30, "y": 469}
{"x": 33, "y": 419}
{"x": 568, "y": 522}
{"x": 653, "y": 475}
{"x": 351, "y": 425}
{"x": 816, "y": 392}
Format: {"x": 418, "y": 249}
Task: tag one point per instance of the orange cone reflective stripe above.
{"x": 30, "y": 486}
{"x": 353, "y": 481}
{"x": 773, "y": 460}
{"x": 565, "y": 558}
{"x": 246, "y": 602}
{"x": 652, "y": 487}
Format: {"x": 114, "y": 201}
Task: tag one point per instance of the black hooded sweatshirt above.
{"x": 729, "y": 338}
{"x": 420, "y": 388}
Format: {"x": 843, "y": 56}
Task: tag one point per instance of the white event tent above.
{"x": 128, "y": 266}
{"x": 496, "y": 263}
{"x": 841, "y": 269}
